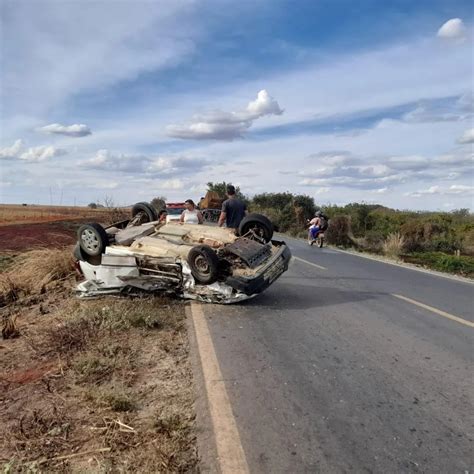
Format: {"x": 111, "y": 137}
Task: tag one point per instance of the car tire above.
{"x": 259, "y": 223}
{"x": 147, "y": 209}
{"x": 204, "y": 264}
{"x": 92, "y": 239}
{"x": 80, "y": 255}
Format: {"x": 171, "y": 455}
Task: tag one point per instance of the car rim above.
{"x": 90, "y": 240}
{"x": 202, "y": 265}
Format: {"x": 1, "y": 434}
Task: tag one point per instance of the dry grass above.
{"x": 393, "y": 245}
{"x": 31, "y": 214}
{"x": 18, "y": 214}
{"x": 113, "y": 393}
{"x": 33, "y": 271}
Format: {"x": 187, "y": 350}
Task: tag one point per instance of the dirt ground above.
{"x": 18, "y": 237}
{"x": 101, "y": 385}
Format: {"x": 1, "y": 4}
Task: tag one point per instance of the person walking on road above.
{"x": 233, "y": 210}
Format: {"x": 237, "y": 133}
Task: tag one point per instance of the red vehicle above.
{"x": 174, "y": 209}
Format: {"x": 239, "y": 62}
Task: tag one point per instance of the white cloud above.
{"x": 75, "y": 130}
{"x": 104, "y": 160}
{"x": 172, "y": 184}
{"x": 41, "y": 153}
{"x": 379, "y": 191}
{"x": 467, "y": 137}
{"x": 35, "y": 154}
{"x": 455, "y": 189}
{"x": 220, "y": 125}
{"x": 332, "y": 158}
{"x": 452, "y": 29}
{"x": 264, "y": 104}
{"x": 323, "y": 190}
{"x": 12, "y": 152}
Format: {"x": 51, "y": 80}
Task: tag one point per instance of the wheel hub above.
{"x": 90, "y": 240}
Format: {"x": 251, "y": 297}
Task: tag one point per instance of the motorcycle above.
{"x": 318, "y": 239}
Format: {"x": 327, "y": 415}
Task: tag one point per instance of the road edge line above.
{"x": 427, "y": 271}
{"x": 437, "y": 311}
{"x": 230, "y": 453}
{"x": 299, "y": 259}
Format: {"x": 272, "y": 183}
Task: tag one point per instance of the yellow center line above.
{"x": 309, "y": 263}
{"x": 436, "y": 310}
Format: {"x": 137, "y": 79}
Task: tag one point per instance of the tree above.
{"x": 92, "y": 205}
{"x": 158, "y": 203}
{"x": 221, "y": 189}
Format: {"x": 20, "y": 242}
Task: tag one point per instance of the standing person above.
{"x": 191, "y": 215}
{"x": 233, "y": 210}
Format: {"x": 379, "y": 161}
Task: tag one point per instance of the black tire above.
{"x": 204, "y": 264}
{"x": 79, "y": 254}
{"x": 92, "y": 239}
{"x": 148, "y": 211}
{"x": 259, "y": 223}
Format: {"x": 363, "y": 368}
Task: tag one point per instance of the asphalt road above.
{"x": 327, "y": 371}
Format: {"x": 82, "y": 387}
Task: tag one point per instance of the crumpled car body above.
{"x": 201, "y": 262}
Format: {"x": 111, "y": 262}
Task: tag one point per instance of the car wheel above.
{"x": 148, "y": 212}
{"x": 259, "y": 224}
{"x": 79, "y": 254}
{"x": 204, "y": 264}
{"x": 92, "y": 239}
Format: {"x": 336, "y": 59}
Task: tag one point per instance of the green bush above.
{"x": 463, "y": 265}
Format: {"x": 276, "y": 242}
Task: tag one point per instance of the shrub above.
{"x": 158, "y": 203}
{"x": 373, "y": 241}
{"x": 393, "y": 245}
{"x": 339, "y": 231}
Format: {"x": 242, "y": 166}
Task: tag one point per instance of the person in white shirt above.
{"x": 191, "y": 215}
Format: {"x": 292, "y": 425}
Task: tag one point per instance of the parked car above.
{"x": 202, "y": 262}
{"x": 174, "y": 209}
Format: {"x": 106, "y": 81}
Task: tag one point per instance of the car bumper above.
{"x": 251, "y": 285}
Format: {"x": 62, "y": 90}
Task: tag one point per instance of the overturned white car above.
{"x": 202, "y": 262}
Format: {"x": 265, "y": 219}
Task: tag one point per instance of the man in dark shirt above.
{"x": 233, "y": 210}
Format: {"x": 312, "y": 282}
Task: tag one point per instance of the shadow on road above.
{"x": 292, "y": 296}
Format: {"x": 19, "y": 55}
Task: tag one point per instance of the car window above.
{"x": 175, "y": 211}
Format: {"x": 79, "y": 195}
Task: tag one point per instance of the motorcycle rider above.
{"x": 318, "y": 224}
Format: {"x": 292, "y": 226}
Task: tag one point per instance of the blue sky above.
{"x": 342, "y": 100}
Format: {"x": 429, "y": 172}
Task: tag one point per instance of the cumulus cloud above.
{"x": 452, "y": 29}
{"x": 75, "y": 130}
{"x": 220, "y": 125}
{"x": 11, "y": 152}
{"x": 41, "y": 153}
{"x": 35, "y": 154}
{"x": 467, "y": 137}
